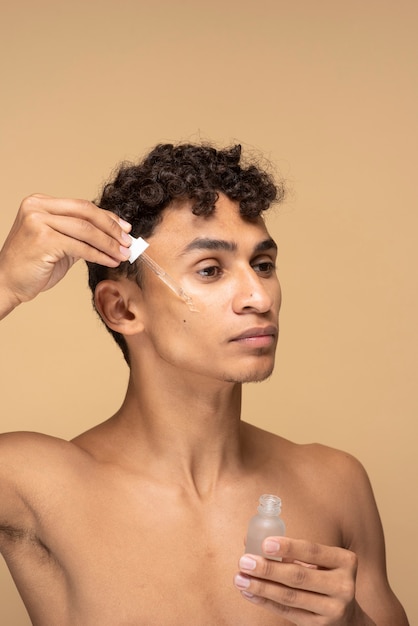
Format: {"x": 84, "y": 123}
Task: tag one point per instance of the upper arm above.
{"x": 15, "y": 515}
{"x": 27, "y": 462}
{"x": 363, "y": 534}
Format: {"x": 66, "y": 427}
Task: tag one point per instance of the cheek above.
{"x": 178, "y": 333}
{"x": 207, "y": 299}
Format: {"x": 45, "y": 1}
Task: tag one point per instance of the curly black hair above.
{"x": 140, "y": 192}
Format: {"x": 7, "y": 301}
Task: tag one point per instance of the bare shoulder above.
{"x": 29, "y": 454}
{"x": 17, "y": 449}
{"x": 333, "y": 479}
{"x": 327, "y": 462}
{"x": 29, "y": 464}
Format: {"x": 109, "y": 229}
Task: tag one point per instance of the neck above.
{"x": 187, "y": 430}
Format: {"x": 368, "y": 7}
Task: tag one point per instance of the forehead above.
{"x": 179, "y": 226}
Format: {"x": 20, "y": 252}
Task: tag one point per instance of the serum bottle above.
{"x": 266, "y": 523}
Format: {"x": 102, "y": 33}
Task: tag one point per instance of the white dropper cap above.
{"x": 138, "y": 246}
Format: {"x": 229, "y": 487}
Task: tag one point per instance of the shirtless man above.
{"x": 140, "y": 521}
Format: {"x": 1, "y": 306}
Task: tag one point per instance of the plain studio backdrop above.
{"x": 327, "y": 91}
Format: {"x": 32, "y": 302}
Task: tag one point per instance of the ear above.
{"x": 118, "y": 304}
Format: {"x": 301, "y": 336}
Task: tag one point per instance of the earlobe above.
{"x": 117, "y": 302}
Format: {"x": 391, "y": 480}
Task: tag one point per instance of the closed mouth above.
{"x": 264, "y": 331}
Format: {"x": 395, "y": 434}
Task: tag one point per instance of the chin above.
{"x": 254, "y": 376}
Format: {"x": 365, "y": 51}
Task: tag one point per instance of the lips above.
{"x": 257, "y": 332}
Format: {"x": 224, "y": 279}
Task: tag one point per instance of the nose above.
{"x": 256, "y": 294}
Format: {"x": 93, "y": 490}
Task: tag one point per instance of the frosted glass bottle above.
{"x": 267, "y": 523}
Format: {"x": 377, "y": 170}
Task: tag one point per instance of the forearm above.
{"x": 8, "y": 300}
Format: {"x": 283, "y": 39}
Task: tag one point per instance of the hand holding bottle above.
{"x": 48, "y": 236}
{"x": 312, "y": 580}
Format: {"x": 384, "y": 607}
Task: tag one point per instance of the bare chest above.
{"x": 119, "y": 557}
{"x": 120, "y": 570}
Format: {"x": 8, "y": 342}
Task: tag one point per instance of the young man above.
{"x": 141, "y": 520}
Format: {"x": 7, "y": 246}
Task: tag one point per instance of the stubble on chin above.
{"x": 257, "y": 372}
{"x": 255, "y": 376}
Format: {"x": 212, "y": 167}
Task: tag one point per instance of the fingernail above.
{"x": 125, "y": 251}
{"x": 270, "y": 546}
{"x": 124, "y": 224}
{"x": 126, "y": 238}
{"x": 242, "y": 582}
{"x": 246, "y": 562}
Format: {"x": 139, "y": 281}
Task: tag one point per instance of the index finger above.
{"x": 77, "y": 208}
{"x": 310, "y": 553}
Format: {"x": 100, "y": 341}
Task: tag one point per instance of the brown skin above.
{"x": 141, "y": 520}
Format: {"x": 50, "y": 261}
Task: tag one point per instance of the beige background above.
{"x": 328, "y": 91}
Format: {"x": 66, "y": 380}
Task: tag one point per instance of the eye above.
{"x": 210, "y": 272}
{"x": 264, "y": 268}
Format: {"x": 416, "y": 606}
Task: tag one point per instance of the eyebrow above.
{"x": 205, "y": 243}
